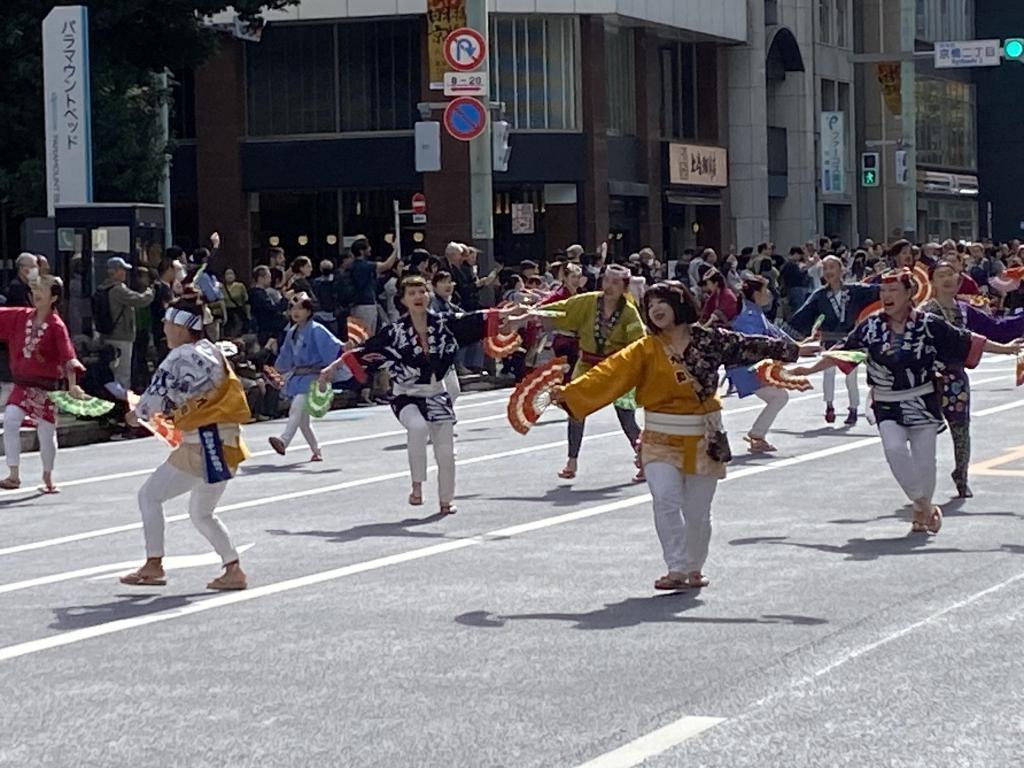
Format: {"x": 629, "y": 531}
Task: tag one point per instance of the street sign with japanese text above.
{"x": 465, "y": 83}
{"x": 66, "y": 106}
{"x": 968, "y": 53}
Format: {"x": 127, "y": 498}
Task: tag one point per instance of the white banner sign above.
{"x": 522, "y": 218}
{"x": 67, "y": 108}
{"x": 968, "y": 53}
{"x": 833, "y": 153}
{"x": 698, "y": 166}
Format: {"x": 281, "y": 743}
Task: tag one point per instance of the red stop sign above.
{"x": 419, "y": 203}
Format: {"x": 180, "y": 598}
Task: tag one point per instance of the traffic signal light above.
{"x": 1014, "y": 49}
{"x": 869, "y": 169}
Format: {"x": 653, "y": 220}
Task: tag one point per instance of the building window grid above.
{"x": 620, "y": 58}
{"x": 679, "y": 109}
{"x": 951, "y": 141}
{"x": 526, "y": 80}
{"x": 834, "y": 23}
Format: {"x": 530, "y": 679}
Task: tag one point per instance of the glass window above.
{"x": 291, "y": 80}
{"x": 842, "y": 19}
{"x": 379, "y": 69}
{"x": 679, "y": 91}
{"x": 183, "y": 104}
{"x": 534, "y": 70}
{"x": 947, "y": 139}
{"x": 828, "y": 95}
{"x": 825, "y": 21}
{"x": 620, "y": 59}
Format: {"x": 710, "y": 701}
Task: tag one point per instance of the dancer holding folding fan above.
{"x": 41, "y": 357}
{"x": 684, "y": 449}
{"x": 905, "y": 348}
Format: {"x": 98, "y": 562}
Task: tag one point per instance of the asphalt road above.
{"x": 523, "y": 631}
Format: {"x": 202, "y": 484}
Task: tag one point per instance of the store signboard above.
{"x": 698, "y": 166}
{"x": 833, "y": 153}
{"x": 443, "y": 18}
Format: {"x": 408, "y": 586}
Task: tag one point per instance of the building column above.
{"x": 648, "y": 128}
{"x": 594, "y": 200}
{"x": 220, "y": 126}
{"x": 748, "y": 135}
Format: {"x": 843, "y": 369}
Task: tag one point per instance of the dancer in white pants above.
{"x": 196, "y": 390}
{"x": 307, "y": 348}
{"x": 41, "y": 357}
{"x": 905, "y": 348}
{"x": 751, "y": 320}
{"x": 675, "y": 373}
{"x": 418, "y": 352}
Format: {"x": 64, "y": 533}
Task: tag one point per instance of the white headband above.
{"x": 184, "y": 319}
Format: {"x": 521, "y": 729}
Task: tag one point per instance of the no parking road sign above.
{"x": 465, "y": 49}
{"x": 465, "y": 118}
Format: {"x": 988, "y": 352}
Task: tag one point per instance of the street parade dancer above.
{"x": 839, "y": 305}
{"x": 956, "y": 386}
{"x": 418, "y": 351}
{"x": 196, "y": 390}
{"x": 41, "y": 357}
{"x": 684, "y": 449}
{"x": 604, "y": 322}
{"x": 308, "y": 346}
{"x": 905, "y": 347}
{"x": 751, "y": 321}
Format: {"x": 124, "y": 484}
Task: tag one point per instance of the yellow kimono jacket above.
{"x": 224, "y": 406}
{"x": 580, "y": 314}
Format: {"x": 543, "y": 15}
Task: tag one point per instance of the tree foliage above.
{"x": 130, "y": 41}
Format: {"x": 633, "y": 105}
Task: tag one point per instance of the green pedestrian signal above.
{"x": 870, "y": 179}
{"x": 1014, "y": 48}
{"x": 869, "y": 169}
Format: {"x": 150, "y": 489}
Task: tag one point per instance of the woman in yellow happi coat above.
{"x": 197, "y": 391}
{"x": 605, "y": 322}
{"x": 683, "y": 447}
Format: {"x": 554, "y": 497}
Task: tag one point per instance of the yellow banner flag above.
{"x": 890, "y": 79}
{"x": 443, "y": 18}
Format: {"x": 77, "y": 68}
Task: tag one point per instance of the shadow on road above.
{"x": 127, "y": 607}
{"x": 21, "y": 500}
{"x": 271, "y": 469}
{"x": 632, "y": 612}
{"x": 955, "y": 507}
{"x": 868, "y": 549}
{"x": 399, "y": 528}
{"x": 565, "y": 496}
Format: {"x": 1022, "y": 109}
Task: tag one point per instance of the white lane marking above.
{"x": 78, "y": 635}
{"x": 175, "y": 562}
{"x": 70, "y": 538}
{"x": 654, "y": 743}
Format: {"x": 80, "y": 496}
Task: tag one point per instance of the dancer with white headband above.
{"x": 196, "y": 390}
{"x": 418, "y": 351}
{"x": 906, "y": 349}
{"x": 308, "y": 346}
{"x": 605, "y": 322}
{"x": 42, "y": 356}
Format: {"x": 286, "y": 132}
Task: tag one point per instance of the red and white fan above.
{"x": 501, "y": 346}
{"x": 357, "y": 331}
{"x": 1020, "y": 370}
{"x": 532, "y": 396}
{"x": 773, "y": 374}
{"x": 160, "y": 427}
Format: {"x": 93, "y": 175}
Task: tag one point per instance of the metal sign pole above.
{"x": 481, "y": 187}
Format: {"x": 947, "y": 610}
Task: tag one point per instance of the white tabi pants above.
{"x": 168, "y": 482}
{"x": 828, "y": 384}
{"x": 451, "y": 383}
{"x": 441, "y": 435}
{"x": 13, "y": 416}
{"x": 910, "y": 452}
{"x": 775, "y": 400}
{"x": 682, "y": 515}
{"x": 298, "y": 419}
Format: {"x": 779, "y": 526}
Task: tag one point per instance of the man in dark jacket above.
{"x": 267, "y": 316}
{"x": 19, "y": 293}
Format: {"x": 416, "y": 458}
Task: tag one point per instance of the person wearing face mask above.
{"x": 840, "y": 304}
{"x": 905, "y": 351}
{"x": 418, "y": 352}
{"x": 307, "y": 348}
{"x": 683, "y": 450}
{"x": 752, "y": 321}
{"x": 196, "y": 390}
{"x": 956, "y": 386}
{"x": 604, "y": 322}
{"x": 19, "y": 290}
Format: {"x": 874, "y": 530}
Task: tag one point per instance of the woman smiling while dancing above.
{"x": 683, "y": 446}
{"x": 905, "y": 347}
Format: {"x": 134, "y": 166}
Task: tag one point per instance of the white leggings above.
{"x": 828, "y": 384}
{"x": 682, "y": 515}
{"x": 441, "y": 435}
{"x": 775, "y": 400}
{"x": 910, "y": 452}
{"x": 166, "y": 483}
{"x": 13, "y": 416}
{"x": 298, "y": 419}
